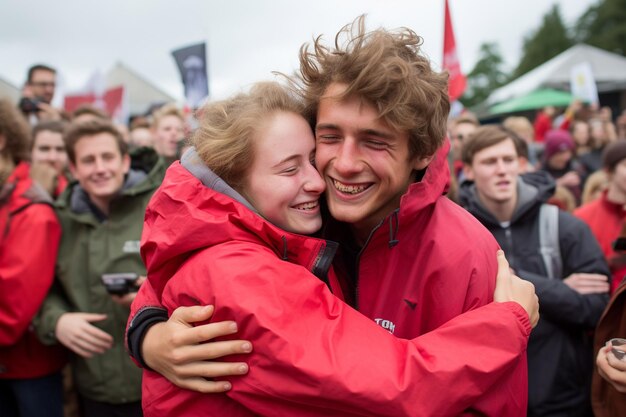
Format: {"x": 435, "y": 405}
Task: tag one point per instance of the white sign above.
{"x": 583, "y": 85}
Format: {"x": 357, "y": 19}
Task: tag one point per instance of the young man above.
{"x": 605, "y": 216}
{"x": 101, "y": 218}
{"x": 571, "y": 283}
{"x": 403, "y": 255}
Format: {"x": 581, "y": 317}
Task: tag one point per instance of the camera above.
{"x": 29, "y": 105}
{"x": 120, "y": 283}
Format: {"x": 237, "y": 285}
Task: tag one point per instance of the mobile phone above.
{"x": 120, "y": 283}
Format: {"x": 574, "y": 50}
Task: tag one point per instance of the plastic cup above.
{"x": 618, "y": 347}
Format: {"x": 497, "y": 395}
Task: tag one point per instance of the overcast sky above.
{"x": 247, "y": 39}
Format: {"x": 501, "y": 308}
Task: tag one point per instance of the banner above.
{"x": 456, "y": 80}
{"x": 583, "y": 84}
{"x": 112, "y": 101}
{"x": 191, "y": 62}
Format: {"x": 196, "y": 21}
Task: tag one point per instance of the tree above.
{"x": 602, "y": 25}
{"x": 548, "y": 41}
{"x": 486, "y": 76}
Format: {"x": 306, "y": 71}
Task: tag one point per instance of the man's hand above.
{"x": 75, "y": 331}
{"x": 182, "y": 353}
{"x": 612, "y": 369}
{"x": 127, "y": 299}
{"x": 47, "y": 112}
{"x": 585, "y": 283}
{"x": 570, "y": 179}
{"x": 512, "y": 288}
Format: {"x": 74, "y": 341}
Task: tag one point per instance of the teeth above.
{"x": 306, "y": 206}
{"x": 349, "y": 189}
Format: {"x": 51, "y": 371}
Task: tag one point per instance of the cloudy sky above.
{"x": 247, "y": 39}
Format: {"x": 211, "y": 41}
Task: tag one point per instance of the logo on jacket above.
{"x": 131, "y": 246}
{"x": 386, "y": 324}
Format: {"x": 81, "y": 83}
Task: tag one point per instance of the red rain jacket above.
{"x": 29, "y": 240}
{"x": 313, "y": 355}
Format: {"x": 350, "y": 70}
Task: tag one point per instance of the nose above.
{"x": 500, "y": 166}
{"x": 314, "y": 183}
{"x": 347, "y": 159}
{"x": 99, "y": 165}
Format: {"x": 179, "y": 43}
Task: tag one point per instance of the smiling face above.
{"x": 365, "y": 163}
{"x": 100, "y": 168}
{"x": 494, "y": 171}
{"x": 282, "y": 182}
{"x": 48, "y": 147}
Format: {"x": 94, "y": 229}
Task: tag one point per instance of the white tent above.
{"x": 140, "y": 93}
{"x": 609, "y": 71}
{"x": 8, "y": 90}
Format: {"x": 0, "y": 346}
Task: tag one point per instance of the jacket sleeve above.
{"x": 145, "y": 311}
{"x": 580, "y": 252}
{"x": 53, "y": 307}
{"x": 27, "y": 258}
{"x": 315, "y": 354}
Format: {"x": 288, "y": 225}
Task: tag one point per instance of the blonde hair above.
{"x": 225, "y": 138}
{"x": 521, "y": 126}
{"x": 167, "y": 110}
{"x": 596, "y": 182}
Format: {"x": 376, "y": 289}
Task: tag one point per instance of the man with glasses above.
{"x": 38, "y": 93}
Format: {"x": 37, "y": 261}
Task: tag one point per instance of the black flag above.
{"x": 191, "y": 62}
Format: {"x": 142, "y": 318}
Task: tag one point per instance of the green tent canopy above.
{"x": 534, "y": 100}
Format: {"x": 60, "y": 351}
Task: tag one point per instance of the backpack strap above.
{"x": 549, "y": 240}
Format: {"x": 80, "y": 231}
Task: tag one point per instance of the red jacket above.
{"x": 313, "y": 355}
{"x": 29, "y": 239}
{"x": 605, "y": 219}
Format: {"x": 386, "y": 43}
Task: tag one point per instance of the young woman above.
{"x": 227, "y": 228}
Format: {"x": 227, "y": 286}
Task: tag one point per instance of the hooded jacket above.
{"x": 29, "y": 240}
{"x": 560, "y": 354}
{"x": 606, "y": 220}
{"x": 313, "y": 355}
{"x": 93, "y": 244}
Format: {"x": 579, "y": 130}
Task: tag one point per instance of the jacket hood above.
{"x": 194, "y": 209}
{"x": 533, "y": 189}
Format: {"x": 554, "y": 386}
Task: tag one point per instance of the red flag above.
{"x": 457, "y": 81}
{"x": 112, "y": 102}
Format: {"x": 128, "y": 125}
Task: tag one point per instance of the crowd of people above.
{"x": 315, "y": 247}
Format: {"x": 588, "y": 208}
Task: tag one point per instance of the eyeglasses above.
{"x": 43, "y": 84}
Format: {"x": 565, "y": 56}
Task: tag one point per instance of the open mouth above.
{"x": 311, "y": 205}
{"x": 350, "y": 189}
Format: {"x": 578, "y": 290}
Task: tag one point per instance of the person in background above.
{"x": 459, "y": 129}
{"x": 605, "y": 216}
{"x": 579, "y": 129}
{"x": 140, "y": 134}
{"x": 48, "y": 158}
{"x": 101, "y": 216}
{"x": 543, "y": 123}
{"x": 37, "y": 94}
{"x": 522, "y": 127}
{"x": 595, "y": 185}
{"x": 30, "y": 373}
{"x": 88, "y": 112}
{"x": 168, "y": 130}
{"x": 559, "y": 162}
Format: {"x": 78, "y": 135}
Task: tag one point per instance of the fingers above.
{"x": 204, "y": 386}
{"x": 192, "y": 314}
{"x": 586, "y": 283}
{"x": 206, "y": 332}
{"x": 91, "y": 317}
{"x": 210, "y": 351}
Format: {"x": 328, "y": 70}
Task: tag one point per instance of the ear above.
{"x": 523, "y": 164}
{"x": 421, "y": 163}
{"x": 468, "y": 171}
{"x": 126, "y": 163}
{"x": 72, "y": 168}
{"x": 3, "y": 142}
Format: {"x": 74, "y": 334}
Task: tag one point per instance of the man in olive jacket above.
{"x": 101, "y": 218}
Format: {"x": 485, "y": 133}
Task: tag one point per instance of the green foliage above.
{"x": 548, "y": 41}
{"x": 604, "y": 25}
{"x": 486, "y": 75}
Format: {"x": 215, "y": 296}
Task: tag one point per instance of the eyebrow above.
{"x": 372, "y": 132}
